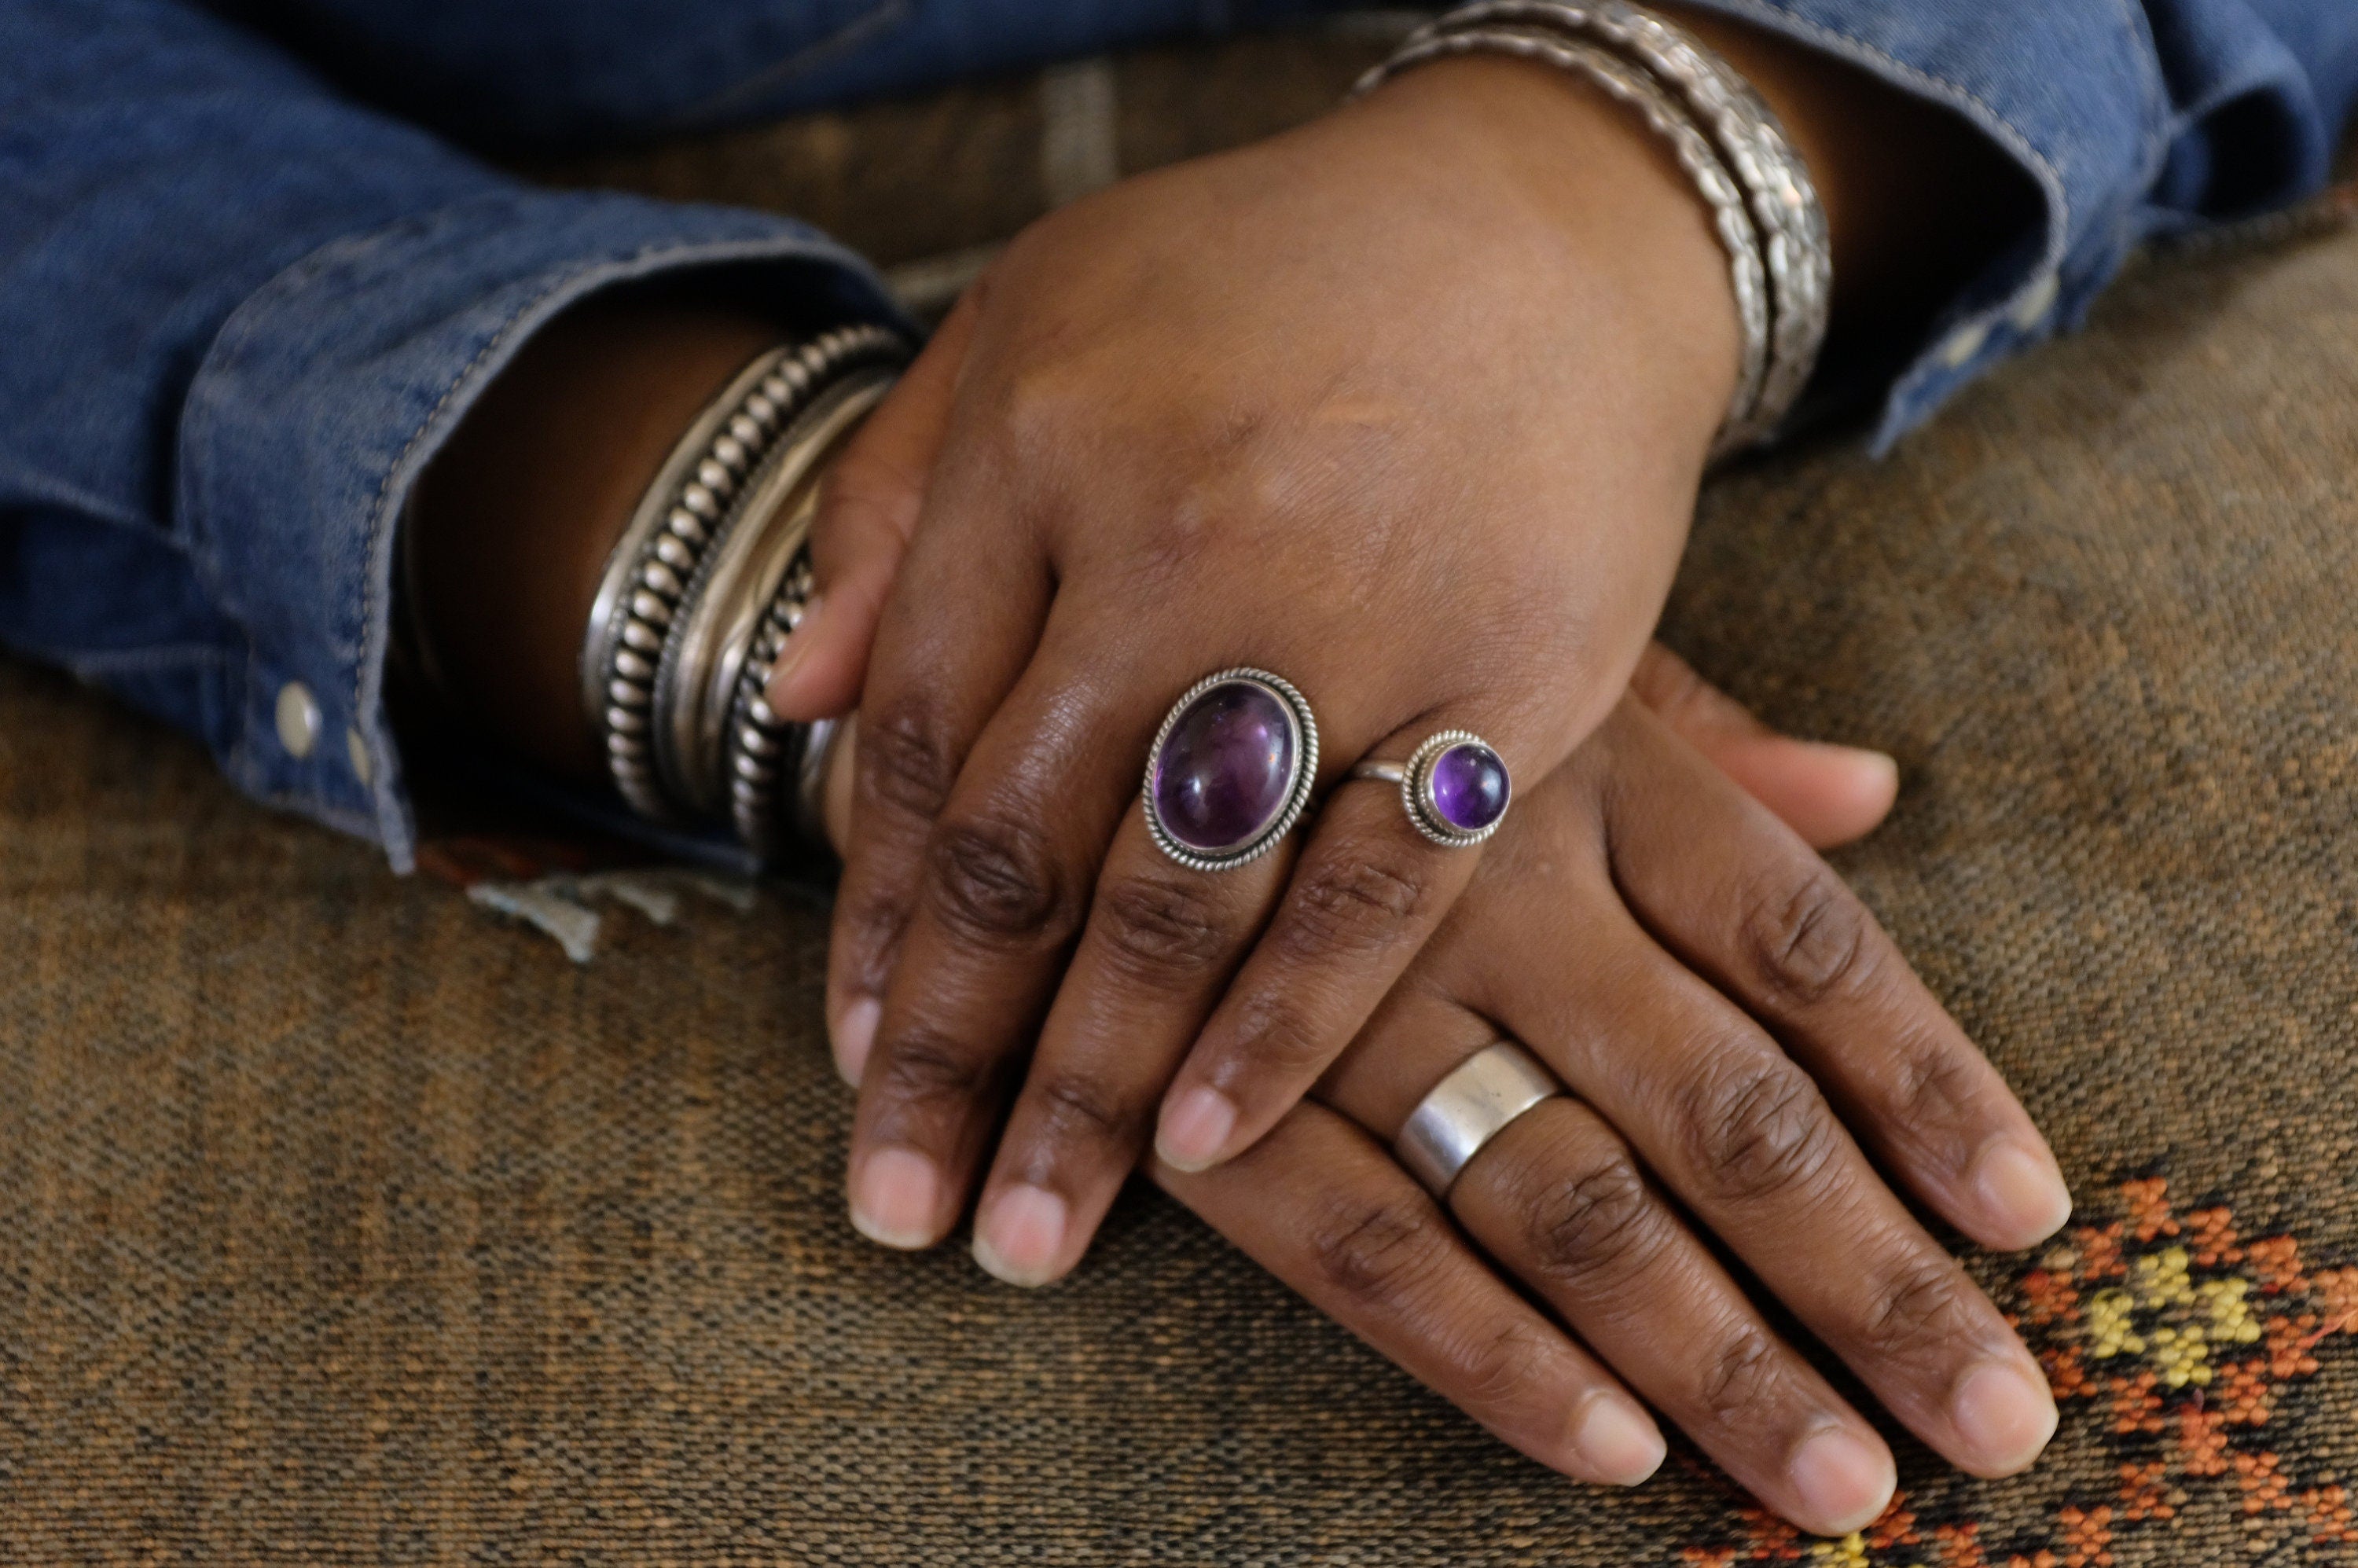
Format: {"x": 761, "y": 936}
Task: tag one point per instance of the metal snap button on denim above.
{"x": 299, "y": 719}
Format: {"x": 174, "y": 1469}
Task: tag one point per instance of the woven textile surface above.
{"x": 339, "y": 1222}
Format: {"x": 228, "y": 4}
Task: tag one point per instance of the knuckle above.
{"x": 1159, "y": 930}
{"x": 995, "y": 879}
{"x": 1494, "y": 1370}
{"x": 1759, "y": 1128}
{"x": 1926, "y": 1303}
{"x": 903, "y": 762}
{"x": 1276, "y": 1035}
{"x": 1741, "y": 1375}
{"x": 923, "y": 1067}
{"x": 1596, "y": 1221}
{"x": 1375, "y": 1252}
{"x": 1937, "y": 1087}
{"x": 1355, "y": 899}
{"x": 1076, "y": 1106}
{"x": 1670, "y": 686}
{"x": 868, "y": 939}
{"x": 1806, "y": 935}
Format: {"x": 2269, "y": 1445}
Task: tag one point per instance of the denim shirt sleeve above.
{"x": 240, "y": 310}
{"x": 2132, "y": 119}
{"x": 241, "y": 314}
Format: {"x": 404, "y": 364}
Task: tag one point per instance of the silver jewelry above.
{"x": 715, "y": 753}
{"x": 1454, "y": 788}
{"x": 1468, "y": 1107}
{"x": 1231, "y": 770}
{"x": 711, "y": 558}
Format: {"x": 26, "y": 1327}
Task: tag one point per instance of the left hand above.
{"x": 1408, "y": 407}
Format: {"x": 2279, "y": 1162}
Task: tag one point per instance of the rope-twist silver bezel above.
{"x": 1306, "y": 773}
{"x": 1416, "y": 791}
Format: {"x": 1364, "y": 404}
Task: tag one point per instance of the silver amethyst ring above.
{"x": 1231, "y": 770}
{"x": 1455, "y": 787}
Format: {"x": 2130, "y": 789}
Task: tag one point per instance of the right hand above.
{"x": 1712, "y": 941}
{"x": 1727, "y": 1018}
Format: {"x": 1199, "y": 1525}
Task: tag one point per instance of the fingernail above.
{"x": 855, "y": 1032}
{"x": 2005, "y": 1414}
{"x": 797, "y": 649}
{"x": 1843, "y": 1481}
{"x": 2023, "y": 1195}
{"x": 1194, "y": 1128}
{"x": 1020, "y": 1238}
{"x": 894, "y": 1197}
{"x": 1620, "y": 1444}
{"x": 1875, "y": 774}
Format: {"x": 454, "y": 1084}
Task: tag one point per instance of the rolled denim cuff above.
{"x": 2167, "y": 117}
{"x": 320, "y": 403}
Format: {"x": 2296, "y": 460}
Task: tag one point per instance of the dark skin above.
{"x": 1635, "y": 841}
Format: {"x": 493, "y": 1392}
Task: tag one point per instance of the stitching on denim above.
{"x": 222, "y": 354}
{"x": 881, "y": 17}
{"x": 2158, "y": 124}
{"x": 163, "y": 656}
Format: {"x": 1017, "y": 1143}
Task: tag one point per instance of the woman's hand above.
{"x": 1408, "y": 407}
{"x": 1727, "y": 1017}
{"x": 1731, "y": 1026}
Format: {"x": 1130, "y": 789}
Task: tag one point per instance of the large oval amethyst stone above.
{"x": 1225, "y": 769}
{"x": 1469, "y": 788}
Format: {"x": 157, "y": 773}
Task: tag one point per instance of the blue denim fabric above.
{"x": 246, "y": 289}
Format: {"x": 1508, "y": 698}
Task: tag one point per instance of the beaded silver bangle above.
{"x": 687, "y": 586}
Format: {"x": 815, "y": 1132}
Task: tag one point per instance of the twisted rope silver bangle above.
{"x": 1789, "y": 219}
{"x": 642, "y": 663}
{"x": 1731, "y": 215}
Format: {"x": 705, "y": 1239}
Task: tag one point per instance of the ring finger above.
{"x": 1559, "y": 1199}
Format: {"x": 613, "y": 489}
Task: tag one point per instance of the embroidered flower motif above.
{"x": 2185, "y": 1342}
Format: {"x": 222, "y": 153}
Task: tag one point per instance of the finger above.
{"x": 958, "y": 627}
{"x": 867, "y": 509}
{"x": 1367, "y": 893}
{"x": 1828, "y": 795}
{"x": 1741, "y": 1134}
{"x": 1326, "y": 1210}
{"x": 1559, "y": 1199}
{"x": 1776, "y": 930}
{"x": 1005, "y": 881}
{"x": 1159, "y": 945}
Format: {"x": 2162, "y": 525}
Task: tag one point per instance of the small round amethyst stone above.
{"x": 1228, "y": 767}
{"x": 1467, "y": 787}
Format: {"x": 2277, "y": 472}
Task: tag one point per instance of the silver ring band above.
{"x": 1467, "y": 1109}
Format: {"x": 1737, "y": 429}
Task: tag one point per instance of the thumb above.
{"x": 868, "y": 508}
{"x": 1828, "y": 795}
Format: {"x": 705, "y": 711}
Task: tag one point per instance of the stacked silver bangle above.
{"x": 709, "y": 578}
{"x": 1729, "y": 142}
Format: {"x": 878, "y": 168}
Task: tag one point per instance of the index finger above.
{"x": 1318, "y": 1204}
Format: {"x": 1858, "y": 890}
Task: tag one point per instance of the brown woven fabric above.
{"x": 343, "y": 1224}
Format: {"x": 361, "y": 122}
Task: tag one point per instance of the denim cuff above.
{"x": 324, "y": 397}
{"x": 2155, "y": 126}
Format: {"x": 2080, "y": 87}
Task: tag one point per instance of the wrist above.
{"x": 515, "y": 518}
{"x": 1607, "y": 190}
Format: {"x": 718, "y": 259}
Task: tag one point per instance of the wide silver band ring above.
{"x": 1467, "y": 1109}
